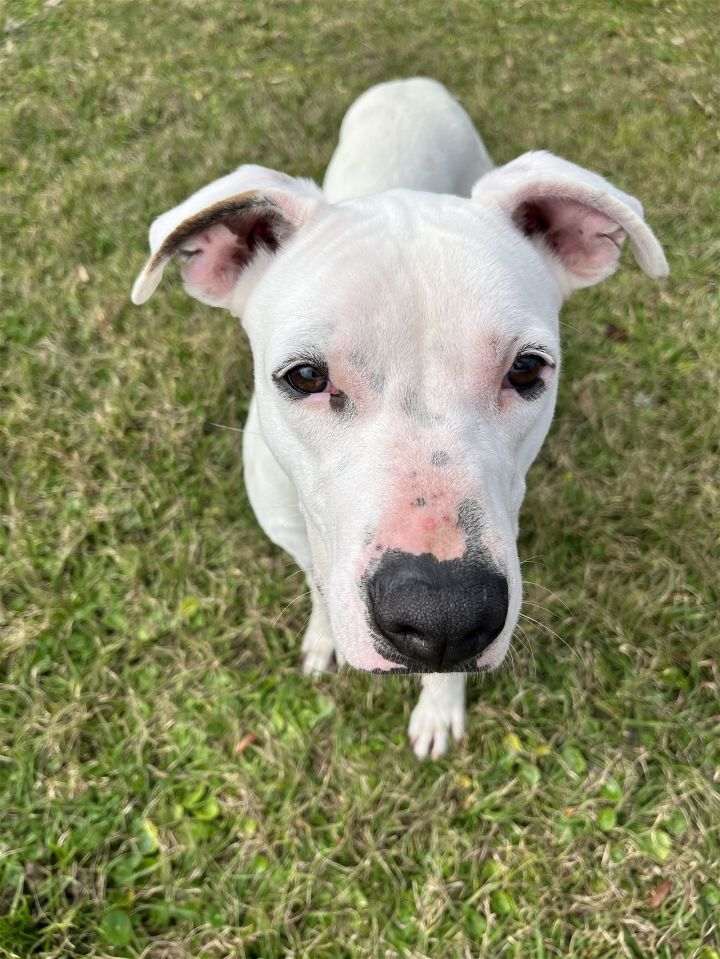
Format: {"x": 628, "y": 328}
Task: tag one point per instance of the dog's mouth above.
{"x": 406, "y": 666}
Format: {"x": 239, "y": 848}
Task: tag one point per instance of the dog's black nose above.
{"x": 436, "y": 613}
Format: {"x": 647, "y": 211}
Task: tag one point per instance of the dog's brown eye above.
{"x": 525, "y": 371}
{"x": 307, "y": 379}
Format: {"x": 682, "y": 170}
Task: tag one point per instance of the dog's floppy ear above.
{"x": 226, "y": 228}
{"x": 576, "y": 219}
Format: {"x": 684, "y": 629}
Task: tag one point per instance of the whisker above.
{"x": 509, "y": 664}
{"x": 569, "y": 326}
{"x": 528, "y": 646}
{"x": 299, "y": 632}
{"x": 295, "y": 572}
{"x": 554, "y": 595}
{"x": 301, "y": 596}
{"x": 233, "y": 429}
{"x": 545, "y": 609}
{"x": 552, "y": 633}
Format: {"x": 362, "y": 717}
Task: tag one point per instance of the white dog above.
{"x": 404, "y": 328}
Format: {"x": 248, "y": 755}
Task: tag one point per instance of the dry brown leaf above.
{"x": 659, "y": 894}
{"x": 246, "y": 741}
{"x": 616, "y": 333}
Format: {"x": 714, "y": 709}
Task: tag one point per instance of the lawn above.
{"x": 170, "y": 785}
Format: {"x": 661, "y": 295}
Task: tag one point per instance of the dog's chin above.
{"x": 400, "y": 664}
{"x": 380, "y": 658}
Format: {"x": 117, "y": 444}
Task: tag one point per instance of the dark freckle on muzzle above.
{"x": 414, "y": 407}
{"x": 440, "y": 459}
{"x": 377, "y": 382}
{"x": 470, "y": 520}
{"x": 470, "y": 516}
{"x": 359, "y": 359}
{"x": 339, "y": 403}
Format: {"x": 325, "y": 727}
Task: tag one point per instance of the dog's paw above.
{"x": 318, "y": 660}
{"x": 433, "y": 721}
{"x": 318, "y": 650}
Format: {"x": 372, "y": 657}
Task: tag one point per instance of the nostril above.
{"x": 489, "y": 628}
{"x": 479, "y": 639}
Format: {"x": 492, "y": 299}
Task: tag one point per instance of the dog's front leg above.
{"x": 439, "y": 712}
{"x": 317, "y": 645}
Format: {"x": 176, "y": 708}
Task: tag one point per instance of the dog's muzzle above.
{"x": 435, "y": 616}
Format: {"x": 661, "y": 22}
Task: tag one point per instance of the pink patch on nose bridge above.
{"x": 422, "y": 517}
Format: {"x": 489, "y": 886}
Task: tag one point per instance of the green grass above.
{"x": 146, "y": 625}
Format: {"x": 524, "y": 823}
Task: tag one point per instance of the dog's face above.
{"x": 406, "y": 357}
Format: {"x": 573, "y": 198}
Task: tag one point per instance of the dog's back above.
{"x": 406, "y": 134}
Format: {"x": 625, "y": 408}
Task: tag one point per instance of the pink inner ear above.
{"x": 587, "y": 242}
{"x": 215, "y": 259}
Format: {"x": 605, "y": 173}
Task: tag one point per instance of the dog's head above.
{"x": 406, "y": 357}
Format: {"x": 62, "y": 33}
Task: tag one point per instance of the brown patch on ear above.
{"x": 530, "y": 217}
{"x": 270, "y": 228}
{"x": 264, "y": 232}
